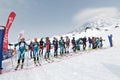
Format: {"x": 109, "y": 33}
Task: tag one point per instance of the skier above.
{"x": 110, "y": 40}
{"x": 55, "y": 44}
{"x": 93, "y": 42}
{"x": 41, "y": 47}
{"x": 90, "y": 42}
{"x": 36, "y": 55}
{"x": 101, "y": 42}
{"x": 97, "y": 42}
{"x": 73, "y": 44}
{"x": 61, "y": 44}
{"x": 48, "y": 47}
{"x": 31, "y": 49}
{"x": 84, "y": 43}
{"x": 79, "y": 42}
{"x": 67, "y": 44}
{"x": 21, "y": 52}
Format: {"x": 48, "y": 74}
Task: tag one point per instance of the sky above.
{"x": 41, "y": 18}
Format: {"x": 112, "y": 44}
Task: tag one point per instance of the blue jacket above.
{"x": 21, "y": 46}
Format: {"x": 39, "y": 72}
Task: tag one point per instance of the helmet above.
{"x": 22, "y": 39}
{"x": 61, "y": 37}
{"x": 35, "y": 39}
{"x": 47, "y": 38}
{"x": 54, "y": 37}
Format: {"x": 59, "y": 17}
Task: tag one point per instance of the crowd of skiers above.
{"x": 36, "y": 47}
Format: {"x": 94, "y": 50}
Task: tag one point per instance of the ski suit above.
{"x": 67, "y": 45}
{"x": 61, "y": 44}
{"x": 21, "y": 52}
{"x": 55, "y": 43}
{"x": 48, "y": 47}
{"x": 35, "y": 51}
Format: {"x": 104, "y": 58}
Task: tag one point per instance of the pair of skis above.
{"x": 18, "y": 66}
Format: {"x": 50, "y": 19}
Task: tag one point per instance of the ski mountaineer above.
{"x": 61, "y": 44}
{"x": 48, "y": 47}
{"x": 90, "y": 42}
{"x": 67, "y": 44}
{"x": 31, "y": 49}
{"x": 98, "y": 42}
{"x": 21, "y": 52}
{"x": 93, "y": 42}
{"x": 41, "y": 47}
{"x": 84, "y": 43}
{"x": 101, "y": 42}
{"x": 35, "y": 51}
{"x": 79, "y": 42}
{"x": 110, "y": 40}
{"x": 73, "y": 44}
{"x": 55, "y": 44}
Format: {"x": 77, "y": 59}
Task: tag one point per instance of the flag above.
{"x": 8, "y": 25}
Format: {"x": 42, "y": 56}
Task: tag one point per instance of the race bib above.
{"x": 22, "y": 45}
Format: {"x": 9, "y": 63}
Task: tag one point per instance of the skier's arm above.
{"x": 27, "y": 44}
{"x": 16, "y": 44}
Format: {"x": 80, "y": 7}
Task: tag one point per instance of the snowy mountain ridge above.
{"x": 98, "y": 22}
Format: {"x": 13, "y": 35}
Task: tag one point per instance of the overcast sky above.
{"x": 40, "y": 18}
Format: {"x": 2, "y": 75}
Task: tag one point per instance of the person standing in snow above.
{"x": 55, "y": 44}
{"x": 21, "y": 52}
{"x": 97, "y": 42}
{"x": 74, "y": 44}
{"x": 93, "y": 42}
{"x": 31, "y": 49}
{"x": 48, "y": 47}
{"x": 110, "y": 40}
{"x": 90, "y": 42}
{"x": 79, "y": 42}
{"x": 67, "y": 43}
{"x": 41, "y": 47}
{"x": 61, "y": 44}
{"x": 84, "y": 43}
{"x": 101, "y": 42}
{"x": 36, "y": 49}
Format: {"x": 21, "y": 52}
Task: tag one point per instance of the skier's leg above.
{"x": 31, "y": 53}
{"x": 48, "y": 54}
{"x": 22, "y": 57}
{"x": 34, "y": 57}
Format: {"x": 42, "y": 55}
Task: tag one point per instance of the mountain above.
{"x": 99, "y": 23}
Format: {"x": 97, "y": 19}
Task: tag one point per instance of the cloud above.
{"x": 87, "y": 14}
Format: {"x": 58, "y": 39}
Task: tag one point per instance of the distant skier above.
{"x": 31, "y": 49}
{"x": 55, "y": 44}
{"x": 98, "y": 42}
{"x": 36, "y": 48}
{"x": 79, "y": 42}
{"x": 48, "y": 47}
{"x": 101, "y": 42}
{"x": 74, "y": 44}
{"x": 41, "y": 47}
{"x": 67, "y": 44}
{"x": 84, "y": 43}
{"x": 90, "y": 42}
{"x": 61, "y": 44}
{"x": 21, "y": 52}
{"x": 93, "y": 42}
{"x": 110, "y": 40}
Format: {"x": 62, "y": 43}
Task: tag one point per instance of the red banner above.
{"x": 8, "y": 25}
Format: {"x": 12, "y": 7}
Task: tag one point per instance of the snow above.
{"x": 98, "y": 64}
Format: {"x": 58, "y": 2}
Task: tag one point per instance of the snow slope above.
{"x": 99, "y": 64}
